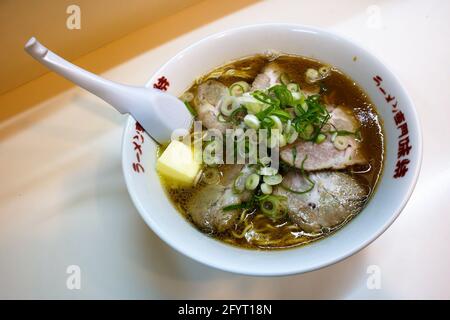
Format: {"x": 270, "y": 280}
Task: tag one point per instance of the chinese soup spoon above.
{"x": 158, "y": 112}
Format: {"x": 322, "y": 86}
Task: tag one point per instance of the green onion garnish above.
{"x": 242, "y": 205}
{"x": 252, "y": 181}
{"x": 271, "y": 207}
{"x": 320, "y": 138}
{"x": 189, "y": 107}
{"x": 310, "y": 119}
{"x": 302, "y": 171}
{"x": 284, "y": 79}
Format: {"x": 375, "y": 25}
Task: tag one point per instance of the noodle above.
{"x": 240, "y": 236}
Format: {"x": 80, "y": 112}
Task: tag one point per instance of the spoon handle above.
{"x": 111, "y": 92}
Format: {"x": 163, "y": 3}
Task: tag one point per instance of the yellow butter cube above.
{"x": 177, "y": 163}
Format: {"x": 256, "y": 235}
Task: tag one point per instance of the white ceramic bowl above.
{"x": 394, "y": 188}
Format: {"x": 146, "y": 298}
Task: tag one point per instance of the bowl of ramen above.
{"x": 304, "y": 149}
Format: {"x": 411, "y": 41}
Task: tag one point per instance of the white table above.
{"x": 63, "y": 199}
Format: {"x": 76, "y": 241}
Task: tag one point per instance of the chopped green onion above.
{"x": 238, "y": 88}
{"x": 187, "y": 96}
{"x": 284, "y": 79}
{"x": 345, "y": 132}
{"x": 235, "y": 206}
{"x": 282, "y": 94}
{"x": 341, "y": 143}
{"x": 228, "y": 105}
{"x": 265, "y": 161}
{"x": 234, "y": 115}
{"x": 273, "y": 180}
{"x": 358, "y": 134}
{"x": 336, "y": 132}
{"x": 307, "y": 132}
{"x": 288, "y": 126}
{"x": 221, "y": 118}
{"x": 252, "y": 181}
{"x": 267, "y": 171}
{"x": 277, "y": 122}
{"x": 266, "y": 188}
{"x": 304, "y": 106}
{"x": 211, "y": 176}
{"x": 293, "y": 87}
{"x": 291, "y": 137}
{"x": 301, "y": 109}
{"x": 302, "y": 171}
{"x": 274, "y": 140}
{"x": 239, "y": 183}
{"x": 265, "y": 112}
{"x": 333, "y": 136}
{"x": 324, "y": 71}
{"x": 282, "y": 140}
{"x": 265, "y": 98}
{"x": 189, "y": 107}
{"x": 296, "y": 96}
{"x": 267, "y": 123}
{"x": 298, "y": 192}
{"x": 309, "y": 123}
{"x": 252, "y": 121}
{"x": 271, "y": 207}
{"x": 320, "y": 138}
{"x": 252, "y": 105}
{"x": 281, "y": 114}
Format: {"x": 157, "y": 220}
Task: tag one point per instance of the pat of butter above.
{"x": 177, "y": 163}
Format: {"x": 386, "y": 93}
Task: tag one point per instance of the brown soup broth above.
{"x": 337, "y": 89}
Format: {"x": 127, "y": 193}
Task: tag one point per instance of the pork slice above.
{"x": 335, "y": 197}
{"x": 325, "y": 155}
{"x": 206, "y": 206}
{"x": 209, "y": 94}
{"x": 270, "y": 76}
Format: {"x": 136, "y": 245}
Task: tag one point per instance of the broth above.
{"x": 252, "y": 228}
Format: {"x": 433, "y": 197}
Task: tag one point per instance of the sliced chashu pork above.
{"x": 269, "y": 76}
{"x": 206, "y": 206}
{"x": 209, "y": 94}
{"x": 326, "y": 155}
{"x": 335, "y": 196}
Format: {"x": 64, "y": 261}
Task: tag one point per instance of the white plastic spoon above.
{"x": 158, "y": 112}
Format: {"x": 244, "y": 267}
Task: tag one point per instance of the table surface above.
{"x": 63, "y": 200}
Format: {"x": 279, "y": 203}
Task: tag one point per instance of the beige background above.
{"x": 147, "y": 25}
{"x": 102, "y": 21}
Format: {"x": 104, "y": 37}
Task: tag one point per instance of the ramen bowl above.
{"x": 402, "y": 157}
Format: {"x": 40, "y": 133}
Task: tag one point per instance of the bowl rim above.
{"x": 396, "y": 212}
